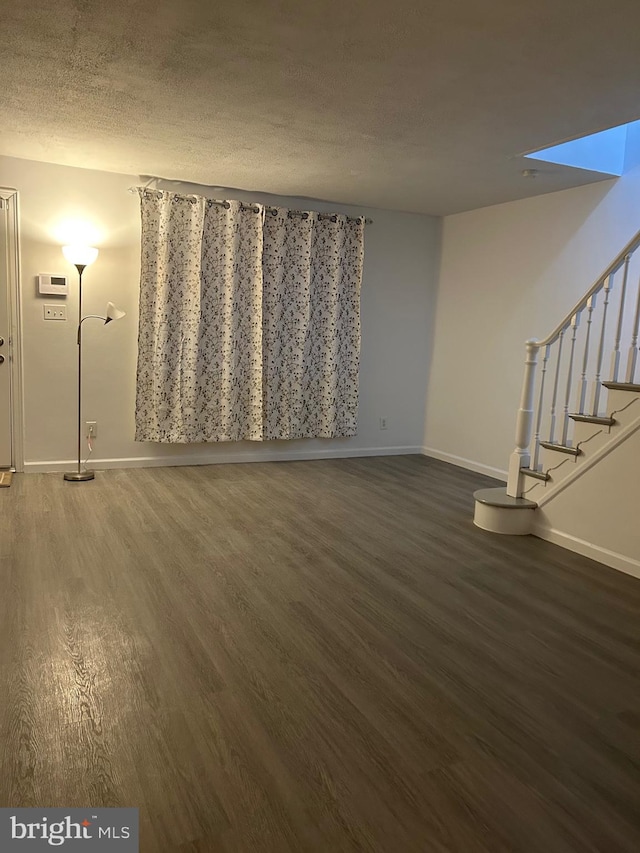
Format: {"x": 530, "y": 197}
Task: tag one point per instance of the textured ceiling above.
{"x": 400, "y": 104}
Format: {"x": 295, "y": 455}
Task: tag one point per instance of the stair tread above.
{"x": 539, "y": 475}
{"x": 562, "y": 448}
{"x": 593, "y": 419}
{"x": 499, "y": 497}
{"x": 622, "y": 386}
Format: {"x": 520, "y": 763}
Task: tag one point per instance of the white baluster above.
{"x": 520, "y": 456}
{"x": 536, "y": 437}
{"x": 582, "y": 387}
{"x": 632, "y": 359}
{"x": 615, "y": 358}
{"x": 552, "y": 428}
{"x": 575, "y": 321}
{"x": 596, "y": 388}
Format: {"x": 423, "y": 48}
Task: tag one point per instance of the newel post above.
{"x": 524, "y": 423}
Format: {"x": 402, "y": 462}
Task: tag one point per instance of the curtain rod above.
{"x": 256, "y": 208}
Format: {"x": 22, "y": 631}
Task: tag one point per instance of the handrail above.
{"x": 613, "y": 267}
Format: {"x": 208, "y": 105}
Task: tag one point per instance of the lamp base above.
{"x": 79, "y": 476}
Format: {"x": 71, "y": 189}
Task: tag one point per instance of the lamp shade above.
{"x": 82, "y": 255}
{"x": 113, "y": 313}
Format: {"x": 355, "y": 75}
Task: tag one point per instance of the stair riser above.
{"x": 534, "y": 489}
{"x": 583, "y": 432}
{"x": 552, "y": 458}
{"x": 513, "y": 522}
{"x": 617, "y": 400}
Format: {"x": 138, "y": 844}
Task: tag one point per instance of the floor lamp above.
{"x": 81, "y": 257}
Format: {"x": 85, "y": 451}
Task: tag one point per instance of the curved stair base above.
{"x": 497, "y": 512}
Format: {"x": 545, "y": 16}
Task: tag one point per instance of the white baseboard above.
{"x": 588, "y": 549}
{"x": 469, "y": 464}
{"x": 61, "y": 465}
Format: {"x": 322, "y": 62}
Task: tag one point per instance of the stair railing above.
{"x": 573, "y": 356}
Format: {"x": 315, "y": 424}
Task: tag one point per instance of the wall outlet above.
{"x": 383, "y": 423}
{"x": 91, "y": 429}
{"x": 55, "y": 312}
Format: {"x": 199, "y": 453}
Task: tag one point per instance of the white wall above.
{"x": 508, "y": 273}
{"x": 401, "y": 255}
{"x": 597, "y": 515}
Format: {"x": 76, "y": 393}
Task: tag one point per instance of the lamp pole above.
{"x": 79, "y": 475}
{"x": 81, "y": 257}
{"x": 80, "y": 268}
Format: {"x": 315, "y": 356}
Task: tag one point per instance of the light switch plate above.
{"x": 55, "y": 312}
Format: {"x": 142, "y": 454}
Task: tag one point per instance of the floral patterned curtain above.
{"x": 311, "y": 325}
{"x": 249, "y": 322}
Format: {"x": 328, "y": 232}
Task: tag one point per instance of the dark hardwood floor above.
{"x": 314, "y": 656}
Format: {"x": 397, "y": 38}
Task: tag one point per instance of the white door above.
{"x": 6, "y": 459}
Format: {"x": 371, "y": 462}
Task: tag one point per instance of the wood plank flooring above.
{"x": 314, "y": 656}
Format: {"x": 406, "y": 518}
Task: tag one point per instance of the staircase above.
{"x": 577, "y": 453}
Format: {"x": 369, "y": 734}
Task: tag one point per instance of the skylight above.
{"x": 612, "y": 152}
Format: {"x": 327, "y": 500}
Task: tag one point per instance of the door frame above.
{"x": 11, "y": 201}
